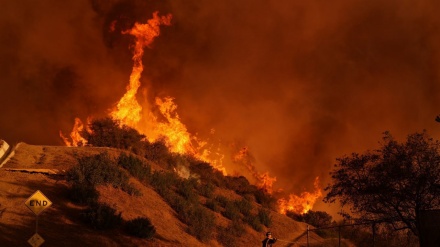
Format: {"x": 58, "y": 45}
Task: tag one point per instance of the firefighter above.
{"x": 269, "y": 240}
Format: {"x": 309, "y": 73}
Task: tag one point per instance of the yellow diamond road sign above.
{"x": 37, "y": 202}
{"x": 36, "y": 240}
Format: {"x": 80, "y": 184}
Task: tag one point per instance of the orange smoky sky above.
{"x": 298, "y": 82}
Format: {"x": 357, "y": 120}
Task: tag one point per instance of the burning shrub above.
{"x": 102, "y": 217}
{"x": 140, "y": 227}
{"x": 107, "y": 132}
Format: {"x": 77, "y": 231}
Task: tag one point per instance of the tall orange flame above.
{"x": 128, "y": 110}
{"x": 300, "y": 204}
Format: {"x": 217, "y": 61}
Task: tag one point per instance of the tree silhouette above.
{"x": 392, "y": 184}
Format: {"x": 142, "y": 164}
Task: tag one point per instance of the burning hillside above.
{"x": 169, "y": 127}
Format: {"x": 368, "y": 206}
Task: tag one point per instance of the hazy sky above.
{"x": 299, "y": 82}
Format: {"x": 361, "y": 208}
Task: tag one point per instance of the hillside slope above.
{"x": 41, "y": 168}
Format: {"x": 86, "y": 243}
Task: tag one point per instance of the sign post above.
{"x": 37, "y": 203}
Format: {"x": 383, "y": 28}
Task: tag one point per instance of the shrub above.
{"x": 240, "y": 185}
{"x": 83, "y": 193}
{"x": 207, "y": 189}
{"x": 244, "y": 206}
{"x": 231, "y": 211}
{"x": 130, "y": 189}
{"x": 264, "y": 217}
{"x": 102, "y": 217}
{"x": 186, "y": 189}
{"x": 213, "y": 205}
{"x": 265, "y": 199}
{"x": 159, "y": 153}
{"x": 140, "y": 227}
{"x": 136, "y": 167}
{"x": 107, "y": 132}
{"x": 236, "y": 228}
{"x": 201, "y": 223}
{"x": 207, "y": 172}
{"x": 254, "y": 222}
{"x": 97, "y": 169}
{"x": 163, "y": 181}
{"x": 223, "y": 201}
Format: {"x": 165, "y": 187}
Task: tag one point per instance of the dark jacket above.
{"x": 267, "y": 242}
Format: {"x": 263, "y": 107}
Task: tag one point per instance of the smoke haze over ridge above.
{"x": 300, "y": 83}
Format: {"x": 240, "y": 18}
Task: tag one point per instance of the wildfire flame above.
{"x": 300, "y": 204}
{"x": 128, "y": 110}
{"x": 75, "y": 135}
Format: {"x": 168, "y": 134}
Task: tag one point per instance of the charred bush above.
{"x": 140, "y": 227}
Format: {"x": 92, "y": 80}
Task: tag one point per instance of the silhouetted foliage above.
{"x": 315, "y": 218}
{"x": 140, "y": 227}
{"x": 102, "y": 217}
{"x": 391, "y": 184}
{"x": 107, "y": 132}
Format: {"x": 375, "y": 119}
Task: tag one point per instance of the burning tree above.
{"x": 392, "y": 184}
